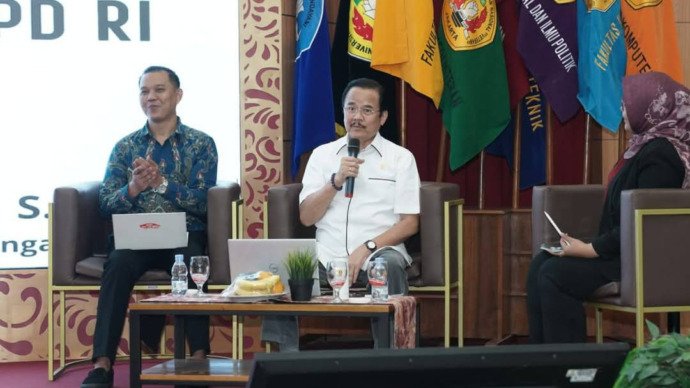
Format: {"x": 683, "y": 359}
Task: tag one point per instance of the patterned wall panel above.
{"x": 261, "y": 106}
{"x": 24, "y": 321}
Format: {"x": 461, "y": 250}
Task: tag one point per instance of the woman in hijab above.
{"x": 656, "y": 110}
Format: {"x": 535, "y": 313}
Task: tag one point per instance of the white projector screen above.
{"x": 68, "y": 92}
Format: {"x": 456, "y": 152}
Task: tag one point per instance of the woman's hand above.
{"x": 575, "y": 248}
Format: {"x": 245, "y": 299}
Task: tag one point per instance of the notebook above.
{"x": 150, "y": 230}
{"x": 251, "y": 255}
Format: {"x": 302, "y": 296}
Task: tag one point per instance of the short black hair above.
{"x": 174, "y": 79}
{"x": 366, "y": 83}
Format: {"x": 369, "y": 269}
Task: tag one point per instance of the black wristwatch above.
{"x": 371, "y": 245}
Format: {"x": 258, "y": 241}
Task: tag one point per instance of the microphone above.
{"x": 353, "y": 151}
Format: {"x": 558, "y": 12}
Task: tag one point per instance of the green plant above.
{"x": 663, "y": 361}
{"x": 301, "y": 264}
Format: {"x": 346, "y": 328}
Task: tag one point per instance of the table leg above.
{"x": 179, "y": 337}
{"x": 134, "y": 349}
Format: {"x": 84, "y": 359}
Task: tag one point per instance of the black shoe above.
{"x": 98, "y": 378}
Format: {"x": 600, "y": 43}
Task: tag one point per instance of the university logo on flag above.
{"x": 639, "y": 4}
{"x": 308, "y": 22}
{"x": 362, "y": 15}
{"x": 599, "y": 5}
{"x": 469, "y": 24}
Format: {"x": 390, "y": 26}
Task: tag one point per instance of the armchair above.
{"x": 436, "y": 250}
{"x": 654, "y": 264}
{"x": 77, "y": 249}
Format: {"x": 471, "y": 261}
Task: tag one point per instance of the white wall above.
{"x": 65, "y": 101}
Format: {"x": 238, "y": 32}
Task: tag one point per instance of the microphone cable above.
{"x": 347, "y": 223}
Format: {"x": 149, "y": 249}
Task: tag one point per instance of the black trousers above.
{"x": 122, "y": 269}
{"x": 556, "y": 288}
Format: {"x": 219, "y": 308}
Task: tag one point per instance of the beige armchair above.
{"x": 654, "y": 258}
{"x": 436, "y": 250}
{"x": 78, "y": 236}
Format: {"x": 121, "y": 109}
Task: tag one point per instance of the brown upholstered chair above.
{"x": 436, "y": 250}
{"x": 78, "y": 237}
{"x": 654, "y": 258}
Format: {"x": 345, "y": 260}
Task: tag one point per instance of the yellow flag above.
{"x": 405, "y": 45}
{"x": 650, "y": 37}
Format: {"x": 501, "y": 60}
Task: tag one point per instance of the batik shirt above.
{"x": 188, "y": 159}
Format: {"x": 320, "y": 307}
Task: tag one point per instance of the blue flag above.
{"x": 601, "y": 65}
{"x": 532, "y": 139}
{"x": 314, "y": 119}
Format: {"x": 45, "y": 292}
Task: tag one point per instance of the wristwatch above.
{"x": 371, "y": 245}
{"x": 163, "y": 187}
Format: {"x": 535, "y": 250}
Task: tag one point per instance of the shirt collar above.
{"x": 145, "y": 133}
{"x": 376, "y": 144}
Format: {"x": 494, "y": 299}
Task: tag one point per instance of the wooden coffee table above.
{"x": 225, "y": 371}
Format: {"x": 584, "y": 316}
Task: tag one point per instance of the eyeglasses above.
{"x": 366, "y": 111}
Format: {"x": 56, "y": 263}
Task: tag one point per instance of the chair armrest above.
{"x": 576, "y": 209}
{"x": 432, "y": 197}
{"x": 219, "y": 227}
{"x": 283, "y": 213}
{"x": 664, "y": 253}
{"x": 79, "y": 231}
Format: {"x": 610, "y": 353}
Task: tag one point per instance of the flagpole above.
{"x": 440, "y": 167}
{"x": 517, "y": 142}
{"x": 621, "y": 140}
{"x": 481, "y": 180}
{"x": 549, "y": 146}
{"x": 403, "y": 115}
{"x": 585, "y": 178}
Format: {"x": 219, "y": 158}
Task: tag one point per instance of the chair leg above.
{"x": 599, "y": 325}
{"x": 461, "y": 322}
{"x": 63, "y": 329}
{"x": 51, "y": 340}
{"x": 446, "y": 317}
{"x": 673, "y": 322}
{"x": 639, "y": 327}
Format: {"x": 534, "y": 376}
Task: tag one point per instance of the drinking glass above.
{"x": 337, "y": 276}
{"x": 198, "y": 268}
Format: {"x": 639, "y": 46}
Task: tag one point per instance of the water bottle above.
{"x": 179, "y": 276}
{"x": 378, "y": 278}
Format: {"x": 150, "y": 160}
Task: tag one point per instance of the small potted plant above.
{"x": 663, "y": 361}
{"x": 300, "y": 267}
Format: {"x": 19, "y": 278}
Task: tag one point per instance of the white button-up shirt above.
{"x": 386, "y": 187}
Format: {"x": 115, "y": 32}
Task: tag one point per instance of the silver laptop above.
{"x": 150, "y": 230}
{"x": 251, "y": 255}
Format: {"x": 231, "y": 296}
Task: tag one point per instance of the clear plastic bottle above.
{"x": 179, "y": 276}
{"x": 378, "y": 278}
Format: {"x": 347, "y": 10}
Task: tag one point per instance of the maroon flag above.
{"x": 518, "y": 79}
{"x": 547, "y": 41}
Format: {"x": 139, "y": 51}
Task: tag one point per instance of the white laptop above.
{"x": 150, "y": 230}
{"x": 251, "y": 255}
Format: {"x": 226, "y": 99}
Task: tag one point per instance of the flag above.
{"x": 351, "y": 59}
{"x": 532, "y": 139}
{"x": 650, "y": 37}
{"x": 518, "y": 82}
{"x": 547, "y": 41}
{"x": 313, "y": 119}
{"x": 601, "y": 65}
{"x": 475, "y": 100}
{"x": 405, "y": 45}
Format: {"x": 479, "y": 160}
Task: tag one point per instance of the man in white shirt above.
{"x": 384, "y": 209}
{"x": 382, "y": 212}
